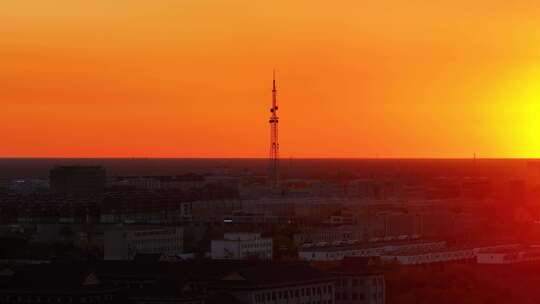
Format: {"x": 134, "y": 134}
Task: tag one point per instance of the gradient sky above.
{"x": 192, "y": 78}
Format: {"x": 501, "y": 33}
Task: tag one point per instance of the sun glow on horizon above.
{"x": 515, "y": 113}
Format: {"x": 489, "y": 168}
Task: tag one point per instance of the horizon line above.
{"x": 265, "y": 158}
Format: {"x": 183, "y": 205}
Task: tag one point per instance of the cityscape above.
{"x": 225, "y": 214}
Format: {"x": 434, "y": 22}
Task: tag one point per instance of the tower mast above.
{"x": 274, "y": 143}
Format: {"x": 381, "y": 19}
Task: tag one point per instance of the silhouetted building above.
{"x": 278, "y": 283}
{"x": 54, "y": 283}
{"x": 77, "y": 180}
{"x": 356, "y": 285}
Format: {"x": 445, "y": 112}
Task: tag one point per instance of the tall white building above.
{"x": 125, "y": 243}
{"x": 238, "y": 246}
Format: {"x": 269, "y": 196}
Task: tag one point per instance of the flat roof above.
{"x": 423, "y": 251}
{"x": 364, "y": 246}
{"x": 510, "y": 250}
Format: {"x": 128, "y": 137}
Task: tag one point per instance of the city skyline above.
{"x": 191, "y": 79}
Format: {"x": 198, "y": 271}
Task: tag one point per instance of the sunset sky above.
{"x": 192, "y": 78}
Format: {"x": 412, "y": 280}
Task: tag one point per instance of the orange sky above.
{"x": 192, "y": 78}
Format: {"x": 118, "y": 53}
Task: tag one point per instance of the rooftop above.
{"x": 273, "y": 274}
{"x": 364, "y": 246}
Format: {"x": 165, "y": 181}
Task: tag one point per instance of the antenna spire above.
{"x": 273, "y": 80}
{"x": 273, "y": 174}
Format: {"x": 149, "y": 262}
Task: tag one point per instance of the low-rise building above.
{"x": 324, "y": 235}
{"x": 209, "y": 210}
{"x": 418, "y": 256}
{"x": 237, "y": 246}
{"x": 428, "y": 256}
{"x": 509, "y": 255}
{"x": 126, "y": 243}
{"x": 338, "y": 252}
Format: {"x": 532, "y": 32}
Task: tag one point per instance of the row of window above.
{"x": 441, "y": 256}
{"x": 345, "y": 296}
{"x": 344, "y": 282}
{"x": 256, "y": 245}
{"x": 293, "y": 293}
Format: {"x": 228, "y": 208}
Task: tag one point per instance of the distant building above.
{"x": 372, "y": 189}
{"x": 168, "y": 205}
{"x": 77, "y": 180}
{"x": 243, "y": 218}
{"x": 238, "y": 246}
{"x": 183, "y": 182}
{"x": 310, "y": 209}
{"x": 125, "y": 244}
{"x": 330, "y": 236}
{"x": 209, "y": 210}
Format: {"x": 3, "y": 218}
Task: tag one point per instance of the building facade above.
{"x": 359, "y": 288}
